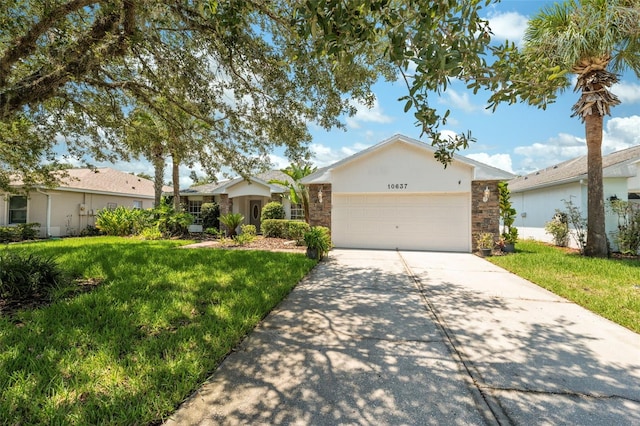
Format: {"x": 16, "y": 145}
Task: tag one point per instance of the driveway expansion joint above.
{"x": 489, "y": 406}
{"x": 560, "y": 393}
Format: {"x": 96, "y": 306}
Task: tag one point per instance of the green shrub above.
{"x": 296, "y": 230}
{"x": 284, "y": 228}
{"x": 318, "y": 238}
{"x": 627, "y": 237}
{"x": 122, "y": 221}
{"x": 247, "y": 235}
{"x": 214, "y": 231}
{"x": 210, "y": 214}
{"x": 558, "y": 228}
{"x": 27, "y": 231}
{"x": 169, "y": 222}
{"x": 27, "y": 275}
{"x": 248, "y": 229}
{"x": 272, "y": 210}
{"x": 7, "y": 234}
{"x": 90, "y": 231}
{"x": 274, "y": 228}
{"x": 150, "y": 233}
{"x": 231, "y": 221}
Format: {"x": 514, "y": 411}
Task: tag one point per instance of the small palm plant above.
{"x": 231, "y": 221}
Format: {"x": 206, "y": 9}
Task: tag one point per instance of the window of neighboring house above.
{"x": 194, "y": 209}
{"x": 297, "y": 212}
{"x": 112, "y": 206}
{"x": 137, "y": 204}
{"x": 18, "y": 209}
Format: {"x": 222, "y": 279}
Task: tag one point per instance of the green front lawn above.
{"x": 608, "y": 287}
{"x": 133, "y": 348}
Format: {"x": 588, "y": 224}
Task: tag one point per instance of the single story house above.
{"x": 536, "y": 196}
{"x": 396, "y": 195}
{"x": 240, "y": 195}
{"x": 72, "y": 206}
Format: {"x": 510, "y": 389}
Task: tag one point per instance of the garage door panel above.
{"x": 411, "y": 222}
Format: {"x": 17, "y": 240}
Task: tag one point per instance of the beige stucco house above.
{"x": 72, "y": 206}
{"x": 396, "y": 195}
{"x": 240, "y": 195}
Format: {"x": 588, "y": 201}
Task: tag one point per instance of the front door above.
{"x": 255, "y": 210}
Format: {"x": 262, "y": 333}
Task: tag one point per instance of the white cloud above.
{"x": 279, "y": 162}
{"x": 364, "y": 114}
{"x": 555, "y": 150}
{"x": 324, "y": 155}
{"x": 628, "y": 93}
{"x": 461, "y": 102}
{"x": 501, "y": 161}
{"x": 508, "y": 26}
{"x": 619, "y": 133}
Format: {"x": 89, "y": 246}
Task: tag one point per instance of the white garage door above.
{"x": 405, "y": 222}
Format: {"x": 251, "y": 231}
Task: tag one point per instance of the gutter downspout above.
{"x": 47, "y": 233}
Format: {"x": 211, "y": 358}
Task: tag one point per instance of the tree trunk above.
{"x": 596, "y": 234}
{"x": 175, "y": 176}
{"x": 158, "y": 178}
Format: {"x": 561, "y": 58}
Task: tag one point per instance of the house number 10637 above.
{"x": 397, "y": 186}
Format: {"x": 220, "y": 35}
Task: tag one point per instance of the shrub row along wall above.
{"x": 283, "y": 228}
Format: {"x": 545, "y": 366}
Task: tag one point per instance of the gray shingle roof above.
{"x": 105, "y": 180}
{"x": 616, "y": 164}
{"x": 219, "y": 187}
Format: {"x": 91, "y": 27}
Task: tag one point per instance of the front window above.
{"x": 137, "y": 204}
{"x": 18, "y": 209}
{"x": 194, "y": 209}
{"x": 297, "y": 212}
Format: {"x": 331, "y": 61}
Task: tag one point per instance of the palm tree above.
{"x": 298, "y": 193}
{"x": 593, "y": 39}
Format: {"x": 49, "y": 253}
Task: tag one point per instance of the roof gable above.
{"x": 224, "y": 187}
{"x": 480, "y": 171}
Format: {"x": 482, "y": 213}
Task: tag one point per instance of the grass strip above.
{"x": 607, "y": 287}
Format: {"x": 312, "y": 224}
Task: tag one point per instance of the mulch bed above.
{"x": 9, "y": 307}
{"x": 259, "y": 243}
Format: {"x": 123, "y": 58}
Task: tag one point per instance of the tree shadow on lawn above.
{"x": 132, "y": 349}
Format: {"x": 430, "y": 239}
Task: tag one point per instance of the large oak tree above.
{"x": 72, "y": 71}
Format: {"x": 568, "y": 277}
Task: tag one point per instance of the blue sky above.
{"x": 516, "y": 138}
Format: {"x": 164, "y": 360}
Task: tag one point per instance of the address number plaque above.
{"x": 397, "y": 186}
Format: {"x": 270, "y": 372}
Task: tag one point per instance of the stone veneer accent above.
{"x": 320, "y": 212}
{"x": 277, "y": 198}
{"x": 485, "y": 216}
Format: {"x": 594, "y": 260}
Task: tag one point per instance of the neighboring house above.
{"x": 396, "y": 195}
{"x": 244, "y": 196}
{"x": 72, "y": 206}
{"x": 536, "y": 196}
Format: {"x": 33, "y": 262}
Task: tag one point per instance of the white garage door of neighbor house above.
{"x": 404, "y": 222}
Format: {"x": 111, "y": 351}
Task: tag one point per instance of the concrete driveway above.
{"x": 383, "y": 337}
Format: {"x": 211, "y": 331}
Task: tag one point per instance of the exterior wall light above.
{"x": 486, "y": 194}
{"x": 320, "y": 195}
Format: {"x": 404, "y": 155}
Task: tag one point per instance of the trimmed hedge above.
{"x": 272, "y": 210}
{"x": 284, "y": 228}
{"x": 21, "y": 232}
